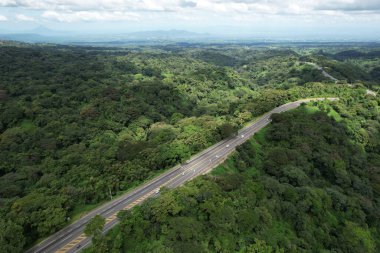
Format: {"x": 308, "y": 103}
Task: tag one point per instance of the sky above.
{"x": 266, "y": 18}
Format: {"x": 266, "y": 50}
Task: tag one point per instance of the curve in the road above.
{"x": 328, "y": 75}
{"x": 72, "y": 238}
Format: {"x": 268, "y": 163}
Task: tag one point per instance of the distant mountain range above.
{"x": 42, "y": 34}
{"x": 44, "y": 31}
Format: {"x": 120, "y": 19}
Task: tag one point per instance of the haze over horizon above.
{"x": 325, "y": 19}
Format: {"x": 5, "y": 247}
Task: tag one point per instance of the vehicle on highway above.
{"x": 217, "y": 156}
{"x": 242, "y": 136}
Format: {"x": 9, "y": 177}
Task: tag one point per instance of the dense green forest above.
{"x": 310, "y": 182}
{"x": 79, "y": 125}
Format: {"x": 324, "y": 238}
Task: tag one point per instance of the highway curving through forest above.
{"x": 327, "y": 75}
{"x": 324, "y": 73}
{"x": 72, "y": 237}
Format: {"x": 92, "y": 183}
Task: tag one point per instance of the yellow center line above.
{"x": 145, "y": 196}
{"x": 114, "y": 216}
{"x": 195, "y": 164}
{"x": 71, "y": 244}
{"x": 186, "y": 170}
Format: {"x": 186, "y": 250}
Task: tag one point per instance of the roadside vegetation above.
{"x": 80, "y": 125}
{"x": 306, "y": 183}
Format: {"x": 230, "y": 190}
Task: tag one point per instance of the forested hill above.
{"x": 80, "y": 125}
{"x": 306, "y": 183}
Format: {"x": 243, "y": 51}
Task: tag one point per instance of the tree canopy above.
{"x": 305, "y": 183}
{"x": 79, "y": 125}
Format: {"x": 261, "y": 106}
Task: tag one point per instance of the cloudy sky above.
{"x": 358, "y": 18}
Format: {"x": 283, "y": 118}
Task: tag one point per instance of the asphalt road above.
{"x": 324, "y": 73}
{"x": 368, "y": 91}
{"x": 72, "y": 239}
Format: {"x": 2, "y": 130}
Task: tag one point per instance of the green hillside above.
{"x": 306, "y": 183}
{"x": 82, "y": 125}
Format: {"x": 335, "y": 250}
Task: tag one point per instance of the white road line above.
{"x": 173, "y": 176}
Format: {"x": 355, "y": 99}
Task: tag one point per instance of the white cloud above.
{"x": 218, "y": 6}
{"x": 90, "y": 16}
{"x": 22, "y": 17}
{"x": 3, "y": 18}
{"x": 207, "y": 10}
{"x": 348, "y": 5}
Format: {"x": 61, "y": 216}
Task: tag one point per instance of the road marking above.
{"x": 247, "y": 132}
{"x": 111, "y": 218}
{"x": 235, "y": 140}
{"x": 72, "y": 243}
